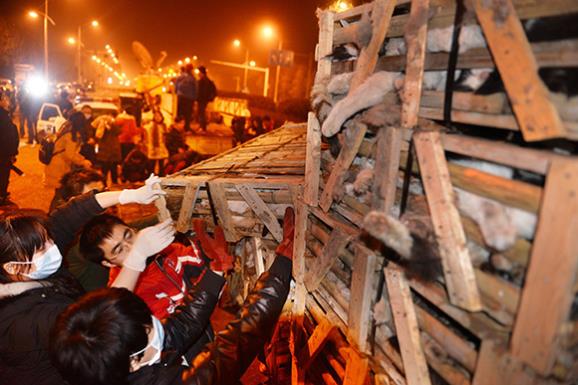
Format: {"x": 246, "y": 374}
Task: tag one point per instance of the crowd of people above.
{"x": 112, "y": 143}
{"x": 143, "y": 315}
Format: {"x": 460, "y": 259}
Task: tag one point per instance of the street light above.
{"x": 79, "y": 45}
{"x": 269, "y": 32}
{"x": 35, "y": 14}
{"x": 237, "y": 44}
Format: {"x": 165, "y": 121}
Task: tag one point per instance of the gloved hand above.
{"x": 285, "y": 248}
{"x": 148, "y": 242}
{"x": 214, "y": 248}
{"x": 143, "y": 195}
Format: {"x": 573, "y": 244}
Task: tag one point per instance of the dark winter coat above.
{"x": 175, "y": 140}
{"x": 26, "y": 319}
{"x": 8, "y": 137}
{"x": 226, "y": 359}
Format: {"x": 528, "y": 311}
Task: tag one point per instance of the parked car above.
{"x": 98, "y": 108}
{"x": 46, "y": 116}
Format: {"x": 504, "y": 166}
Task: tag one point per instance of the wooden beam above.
{"x": 262, "y": 211}
{"x": 362, "y": 295}
{"x": 415, "y": 38}
{"x": 497, "y": 366}
{"x": 458, "y": 269}
{"x": 536, "y": 115}
{"x": 415, "y": 366}
{"x": 312, "y": 161}
{"x": 356, "y": 369}
{"x": 386, "y": 168}
{"x": 342, "y": 164}
{"x": 321, "y": 266}
{"x": 221, "y": 206}
{"x": 315, "y": 344}
{"x": 187, "y": 206}
{"x": 548, "y": 291}
{"x": 300, "y": 297}
{"x": 161, "y": 204}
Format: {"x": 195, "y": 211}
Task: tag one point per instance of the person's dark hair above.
{"x": 86, "y": 106}
{"x": 189, "y": 69}
{"x": 93, "y": 338}
{"x": 94, "y": 233}
{"x": 130, "y": 110}
{"x": 203, "y": 70}
{"x": 179, "y": 119}
{"x": 22, "y": 233}
{"x": 73, "y": 182}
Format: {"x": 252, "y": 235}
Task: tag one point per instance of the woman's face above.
{"x": 16, "y": 270}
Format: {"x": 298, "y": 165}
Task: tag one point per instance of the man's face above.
{"x": 180, "y": 126}
{"x": 87, "y": 112}
{"x": 118, "y": 245}
{"x": 96, "y": 185}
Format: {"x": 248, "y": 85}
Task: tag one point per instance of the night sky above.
{"x": 182, "y": 28}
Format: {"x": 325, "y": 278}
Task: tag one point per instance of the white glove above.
{"x": 148, "y": 242}
{"x": 143, "y": 195}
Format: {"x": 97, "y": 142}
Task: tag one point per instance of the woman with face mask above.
{"x": 35, "y": 287}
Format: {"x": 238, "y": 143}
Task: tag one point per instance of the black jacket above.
{"x": 226, "y": 359}
{"x": 26, "y": 319}
{"x": 8, "y": 136}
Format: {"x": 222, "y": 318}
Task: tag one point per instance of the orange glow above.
{"x": 237, "y": 43}
{"x": 33, "y": 14}
{"x": 95, "y": 23}
{"x": 252, "y": 63}
{"x": 268, "y": 32}
{"x": 71, "y": 40}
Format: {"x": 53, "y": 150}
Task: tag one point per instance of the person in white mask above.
{"x": 34, "y": 285}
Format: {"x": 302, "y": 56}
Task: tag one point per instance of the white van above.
{"x": 46, "y": 116}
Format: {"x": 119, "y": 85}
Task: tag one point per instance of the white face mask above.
{"x": 46, "y": 265}
{"x": 157, "y": 343}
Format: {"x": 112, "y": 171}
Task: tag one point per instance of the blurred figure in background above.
{"x": 186, "y": 88}
{"x": 175, "y": 137}
{"x": 66, "y": 155}
{"x": 8, "y": 146}
{"x": 83, "y": 131}
{"x": 108, "y": 156}
{"x": 154, "y": 140}
{"x": 207, "y": 91}
{"x": 129, "y": 132}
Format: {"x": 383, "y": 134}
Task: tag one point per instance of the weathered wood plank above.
{"x": 548, "y": 290}
{"x": 187, "y": 206}
{"x": 386, "y": 168}
{"x": 315, "y": 344}
{"x": 262, "y": 210}
{"x": 414, "y": 363}
{"x": 356, "y": 370}
{"x": 362, "y": 295}
{"x": 496, "y": 366}
{"x": 415, "y": 38}
{"x": 536, "y": 115}
{"x": 321, "y": 266}
{"x": 458, "y": 269}
{"x": 312, "y": 161}
{"x": 221, "y": 206}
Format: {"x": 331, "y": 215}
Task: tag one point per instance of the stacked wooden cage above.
{"x": 471, "y": 324}
{"x": 497, "y": 313}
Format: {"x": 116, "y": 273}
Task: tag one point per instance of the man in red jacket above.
{"x": 163, "y": 282}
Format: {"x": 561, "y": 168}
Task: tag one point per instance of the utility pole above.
{"x": 276, "y": 91}
{"x": 46, "y": 39}
{"x": 79, "y": 55}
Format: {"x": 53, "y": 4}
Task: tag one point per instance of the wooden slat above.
{"x": 496, "y": 366}
{"x": 262, "y": 211}
{"x": 187, "y": 207}
{"x": 548, "y": 291}
{"x": 217, "y": 191}
{"x": 312, "y": 161}
{"x": 315, "y": 344}
{"x": 300, "y": 297}
{"x": 386, "y": 168}
{"x": 415, "y": 37}
{"x": 356, "y": 370}
{"x": 362, "y": 296}
{"x": 562, "y": 53}
{"x": 536, "y": 115}
{"x": 256, "y": 245}
{"x": 321, "y": 266}
{"x": 415, "y": 366}
{"x": 458, "y": 269}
